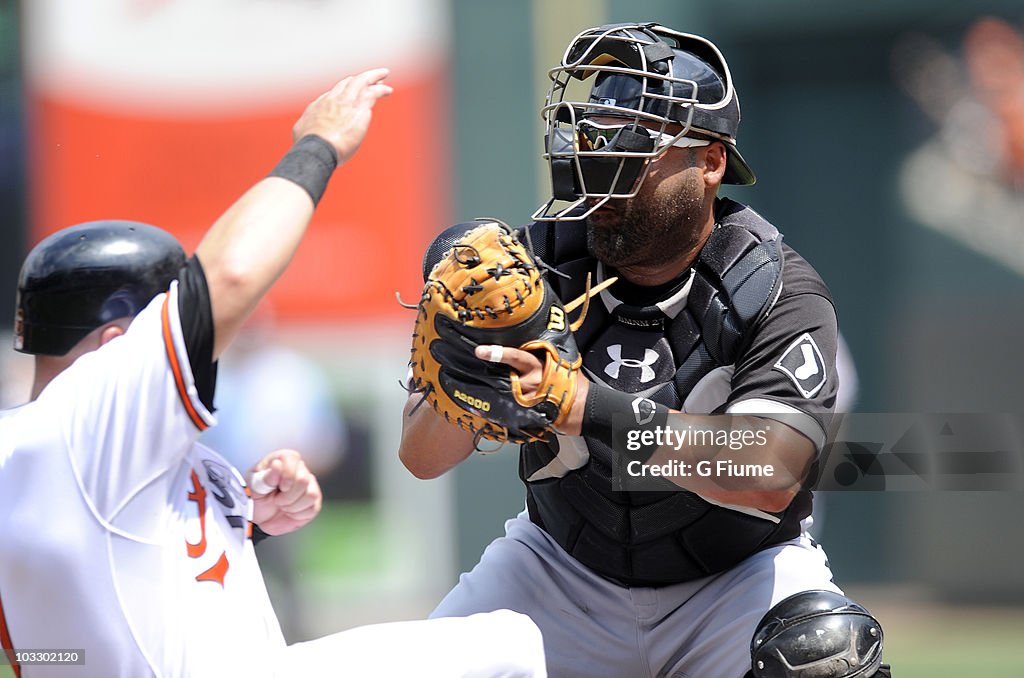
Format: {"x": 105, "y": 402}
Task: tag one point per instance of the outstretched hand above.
{"x": 341, "y": 115}
{"x": 294, "y": 497}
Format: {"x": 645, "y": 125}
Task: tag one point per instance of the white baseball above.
{"x": 259, "y": 484}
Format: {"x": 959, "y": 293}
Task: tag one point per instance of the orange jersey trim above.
{"x": 6, "y": 644}
{"x": 248, "y": 528}
{"x": 179, "y": 380}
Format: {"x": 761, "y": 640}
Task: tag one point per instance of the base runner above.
{"x": 126, "y": 546}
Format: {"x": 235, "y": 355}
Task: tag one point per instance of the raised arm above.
{"x": 251, "y": 244}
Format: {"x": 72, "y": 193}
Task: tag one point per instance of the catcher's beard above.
{"x": 650, "y": 229}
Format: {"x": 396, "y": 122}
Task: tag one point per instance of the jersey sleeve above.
{"x": 136, "y": 405}
{"x": 788, "y": 371}
{"x": 196, "y": 314}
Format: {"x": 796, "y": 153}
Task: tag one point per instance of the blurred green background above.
{"x": 874, "y": 147}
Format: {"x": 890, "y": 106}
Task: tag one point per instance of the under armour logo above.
{"x": 618, "y": 362}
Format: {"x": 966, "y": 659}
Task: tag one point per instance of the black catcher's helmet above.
{"x": 87, "y": 275}
{"x": 816, "y": 634}
{"x": 652, "y": 88}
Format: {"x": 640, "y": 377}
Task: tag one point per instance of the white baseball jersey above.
{"x": 121, "y": 536}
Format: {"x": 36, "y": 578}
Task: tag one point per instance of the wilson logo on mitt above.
{"x": 487, "y": 289}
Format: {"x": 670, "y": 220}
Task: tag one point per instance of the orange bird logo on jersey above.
{"x": 219, "y": 570}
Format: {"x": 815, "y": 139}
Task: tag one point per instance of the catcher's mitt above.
{"x": 487, "y": 289}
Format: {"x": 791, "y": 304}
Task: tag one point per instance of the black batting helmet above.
{"x": 87, "y": 275}
{"x": 664, "y": 85}
{"x": 816, "y": 634}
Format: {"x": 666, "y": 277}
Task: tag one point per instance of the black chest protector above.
{"x": 662, "y": 350}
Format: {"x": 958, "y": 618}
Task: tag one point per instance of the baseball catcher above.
{"x": 488, "y": 289}
{"x": 714, "y": 315}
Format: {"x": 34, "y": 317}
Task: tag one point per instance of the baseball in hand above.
{"x": 259, "y": 484}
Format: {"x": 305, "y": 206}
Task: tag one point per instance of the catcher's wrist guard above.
{"x": 604, "y": 402}
{"x": 488, "y": 290}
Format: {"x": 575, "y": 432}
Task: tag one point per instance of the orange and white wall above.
{"x": 164, "y": 111}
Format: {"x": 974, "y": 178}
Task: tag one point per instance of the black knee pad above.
{"x": 817, "y": 634}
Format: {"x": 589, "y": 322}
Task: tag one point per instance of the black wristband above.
{"x": 309, "y": 163}
{"x": 604, "y": 402}
{"x": 258, "y": 535}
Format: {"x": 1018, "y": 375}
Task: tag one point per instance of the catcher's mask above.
{"x": 816, "y": 634}
{"x": 653, "y": 88}
{"x": 85, "y": 276}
